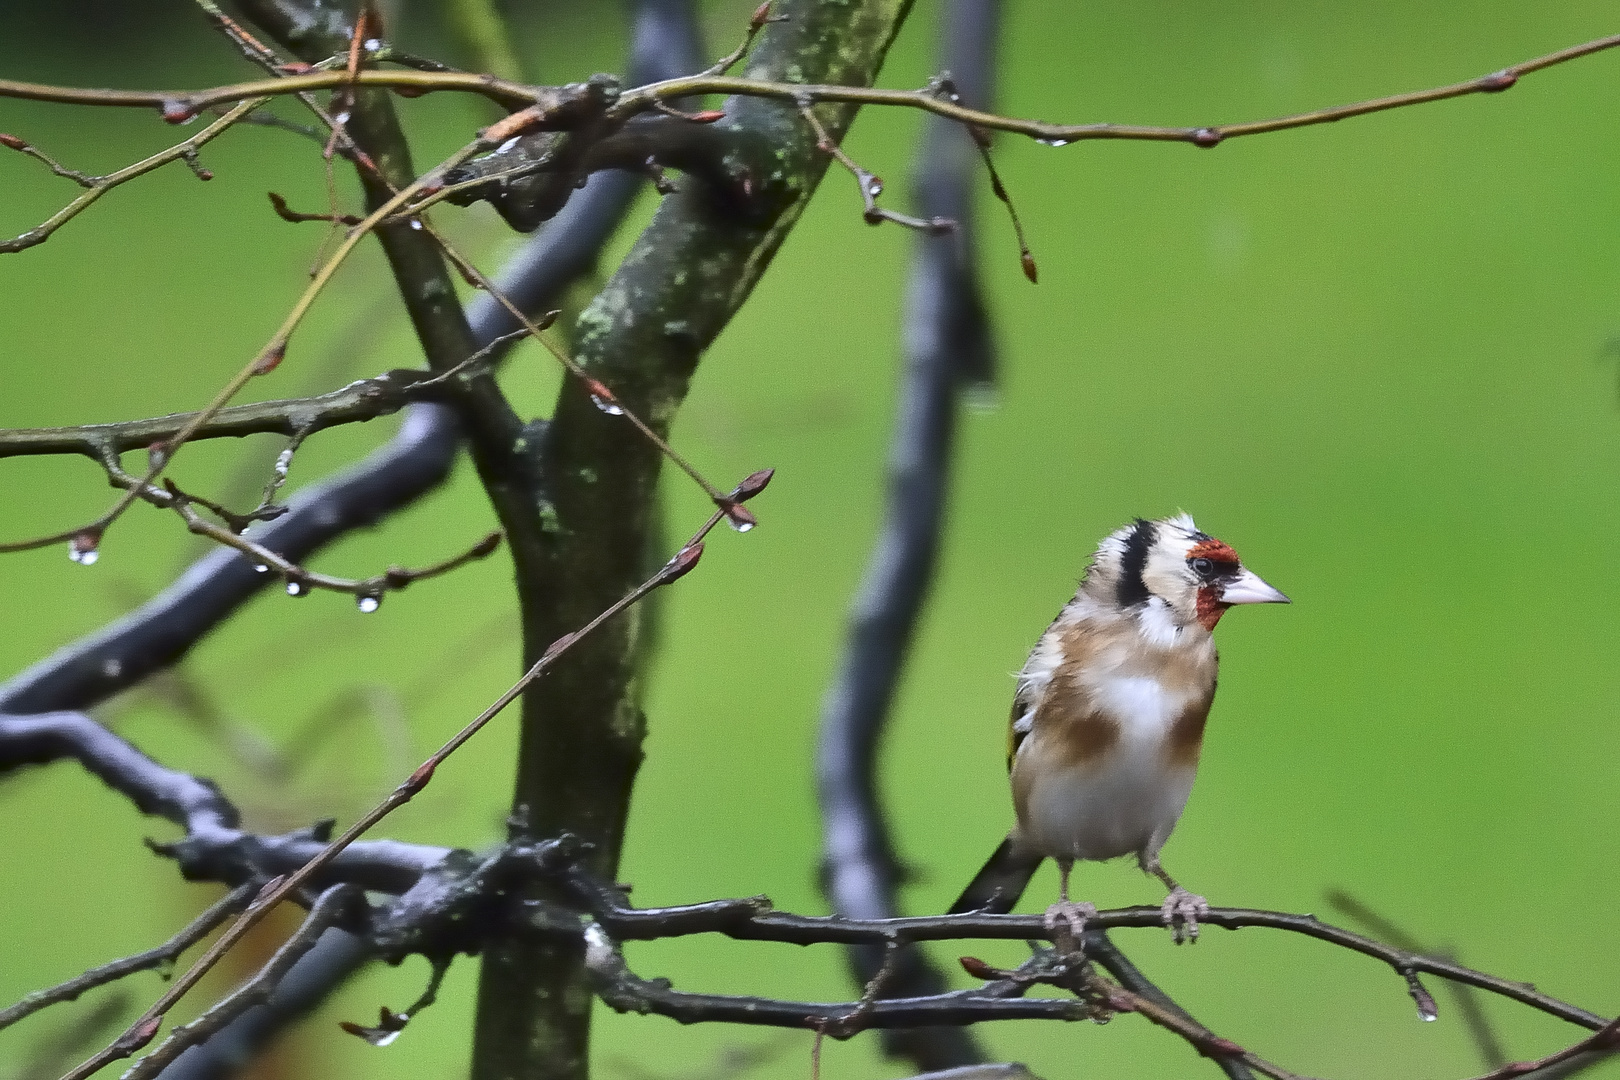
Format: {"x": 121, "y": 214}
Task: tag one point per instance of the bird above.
{"x": 1108, "y": 718}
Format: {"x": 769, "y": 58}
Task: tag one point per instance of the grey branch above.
{"x": 337, "y": 905}
{"x": 151, "y": 959}
{"x": 214, "y": 847}
{"x": 947, "y": 341}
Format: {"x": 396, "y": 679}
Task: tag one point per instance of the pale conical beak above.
{"x": 1247, "y": 588}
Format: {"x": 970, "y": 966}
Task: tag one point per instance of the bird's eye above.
{"x": 1203, "y": 567}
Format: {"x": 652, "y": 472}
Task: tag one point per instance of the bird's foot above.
{"x": 1067, "y": 919}
{"x": 1182, "y": 910}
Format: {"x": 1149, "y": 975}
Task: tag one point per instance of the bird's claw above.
{"x": 1068, "y": 916}
{"x": 1182, "y": 910}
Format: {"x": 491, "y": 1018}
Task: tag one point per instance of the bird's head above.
{"x": 1170, "y": 562}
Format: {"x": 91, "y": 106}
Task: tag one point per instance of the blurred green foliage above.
{"x": 1377, "y": 357}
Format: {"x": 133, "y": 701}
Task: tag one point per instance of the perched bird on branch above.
{"x": 1108, "y": 719}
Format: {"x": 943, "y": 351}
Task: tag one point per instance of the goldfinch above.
{"x": 1108, "y": 718}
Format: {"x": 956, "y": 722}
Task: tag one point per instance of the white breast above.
{"x": 1128, "y": 802}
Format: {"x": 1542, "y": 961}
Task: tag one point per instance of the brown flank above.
{"x": 1187, "y": 733}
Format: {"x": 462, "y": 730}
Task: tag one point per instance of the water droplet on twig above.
{"x": 607, "y": 405}
{"x": 86, "y": 557}
{"x": 296, "y": 588}
{"x": 368, "y": 604}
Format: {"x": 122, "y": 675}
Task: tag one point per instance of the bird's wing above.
{"x": 1022, "y": 718}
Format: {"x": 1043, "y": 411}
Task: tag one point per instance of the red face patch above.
{"x": 1210, "y": 606}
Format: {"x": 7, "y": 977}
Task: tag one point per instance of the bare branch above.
{"x": 871, "y": 186}
{"x": 641, "y": 98}
{"x": 560, "y": 103}
{"x": 214, "y": 847}
{"x": 296, "y": 418}
{"x": 624, "y": 991}
{"x": 337, "y": 905}
{"x": 1479, "y": 1026}
{"x": 947, "y": 343}
{"x": 1589, "y": 1051}
{"x": 97, "y": 186}
{"x": 336, "y": 956}
{"x": 145, "y": 1027}
{"x": 159, "y": 957}
{"x": 1104, "y": 952}
{"x": 560, "y": 108}
{"x": 754, "y": 920}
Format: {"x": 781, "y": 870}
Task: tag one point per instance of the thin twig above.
{"x": 639, "y": 99}
{"x": 145, "y": 1027}
{"x": 1602, "y": 1042}
{"x": 97, "y": 186}
{"x": 753, "y": 919}
{"x": 161, "y": 956}
{"x": 871, "y": 186}
{"x": 334, "y": 906}
{"x": 179, "y": 104}
{"x": 1479, "y": 1026}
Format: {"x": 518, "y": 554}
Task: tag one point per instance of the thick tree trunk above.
{"x": 595, "y": 486}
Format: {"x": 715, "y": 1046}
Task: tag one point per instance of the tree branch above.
{"x": 337, "y": 905}
{"x": 642, "y": 337}
{"x": 214, "y": 847}
{"x": 1103, "y": 951}
{"x": 161, "y": 956}
{"x": 297, "y": 418}
{"x": 565, "y": 106}
{"x": 412, "y": 464}
{"x": 754, "y": 919}
{"x": 947, "y": 339}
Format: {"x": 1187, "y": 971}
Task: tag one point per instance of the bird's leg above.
{"x": 1067, "y": 915}
{"x": 1182, "y": 909}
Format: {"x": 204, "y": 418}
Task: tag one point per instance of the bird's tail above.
{"x": 1000, "y": 882}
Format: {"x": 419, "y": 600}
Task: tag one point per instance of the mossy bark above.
{"x": 642, "y": 336}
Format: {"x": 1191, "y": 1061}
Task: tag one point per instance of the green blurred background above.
{"x": 1377, "y": 357}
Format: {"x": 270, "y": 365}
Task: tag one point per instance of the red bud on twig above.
{"x": 978, "y": 968}
{"x": 752, "y": 485}
{"x": 12, "y": 141}
{"x": 270, "y": 359}
{"x": 682, "y": 564}
{"x": 141, "y": 1034}
{"x": 418, "y": 779}
{"x": 557, "y": 646}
